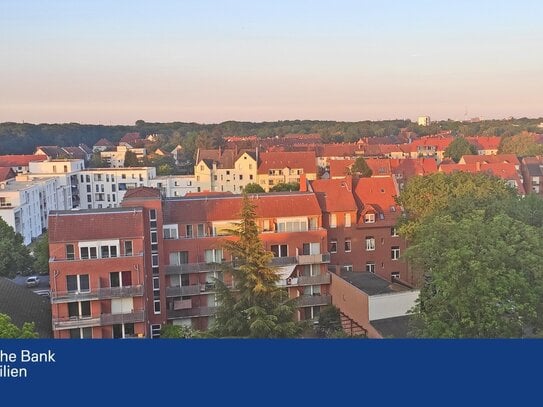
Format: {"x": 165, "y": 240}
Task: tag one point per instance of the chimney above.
{"x": 303, "y": 183}
{"x": 478, "y": 166}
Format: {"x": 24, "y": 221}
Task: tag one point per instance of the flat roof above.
{"x": 397, "y": 327}
{"x": 96, "y": 211}
{"x": 13, "y": 186}
{"x": 370, "y": 283}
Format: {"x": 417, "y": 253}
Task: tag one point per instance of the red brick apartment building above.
{"x": 125, "y": 272}
{"x": 360, "y": 216}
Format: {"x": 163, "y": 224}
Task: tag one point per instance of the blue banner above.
{"x": 271, "y": 372}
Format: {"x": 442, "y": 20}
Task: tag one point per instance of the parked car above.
{"x": 33, "y": 281}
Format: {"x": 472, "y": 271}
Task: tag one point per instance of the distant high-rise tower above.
{"x": 423, "y": 120}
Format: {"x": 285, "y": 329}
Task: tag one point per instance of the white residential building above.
{"x": 175, "y": 185}
{"x": 105, "y": 187}
{"x": 115, "y": 158}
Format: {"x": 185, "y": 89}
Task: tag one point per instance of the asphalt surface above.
{"x": 42, "y": 286}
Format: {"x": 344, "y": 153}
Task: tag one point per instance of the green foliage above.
{"x": 483, "y": 276}
{"x": 459, "y": 147}
{"x": 14, "y": 255}
{"x": 169, "y": 331}
{"x": 96, "y": 161}
{"x": 361, "y": 168}
{"x": 8, "y": 330}
{"x": 131, "y": 160}
{"x": 285, "y": 187}
{"x": 41, "y": 255}
{"x": 256, "y": 307}
{"x": 165, "y": 165}
{"x": 329, "y": 322}
{"x": 253, "y": 188}
{"x": 523, "y": 145}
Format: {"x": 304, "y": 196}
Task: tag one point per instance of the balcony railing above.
{"x": 313, "y": 300}
{"x": 75, "y": 322}
{"x": 191, "y": 312}
{"x": 314, "y": 280}
{"x": 314, "y": 258}
{"x": 124, "y": 318}
{"x": 57, "y": 259}
{"x": 97, "y": 294}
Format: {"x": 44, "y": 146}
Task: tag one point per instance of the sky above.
{"x": 116, "y": 61}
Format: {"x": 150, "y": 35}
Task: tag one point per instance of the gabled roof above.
{"x": 19, "y": 160}
{"x": 142, "y": 192}
{"x": 130, "y": 137}
{"x": 75, "y": 152}
{"x": 279, "y": 160}
{"x": 340, "y": 168}
{"x": 378, "y": 192}
{"x": 85, "y": 148}
{"x": 334, "y": 195}
{"x": 53, "y": 151}
{"x": 337, "y": 150}
{"x": 225, "y": 208}
{"x": 6, "y": 173}
{"x": 409, "y": 167}
{"x": 23, "y": 305}
{"x": 95, "y": 224}
{"x": 490, "y": 159}
{"x": 103, "y": 142}
{"x": 534, "y": 166}
{"x": 379, "y": 166}
{"x": 485, "y": 142}
{"x": 222, "y": 158}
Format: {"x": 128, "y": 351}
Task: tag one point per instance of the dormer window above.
{"x": 369, "y": 218}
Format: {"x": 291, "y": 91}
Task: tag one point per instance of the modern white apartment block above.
{"x": 105, "y": 187}
{"x": 172, "y": 186}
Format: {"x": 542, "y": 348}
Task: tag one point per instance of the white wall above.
{"x": 391, "y": 305}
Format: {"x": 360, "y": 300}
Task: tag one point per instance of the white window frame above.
{"x": 369, "y": 218}
{"x": 349, "y": 242}
{"x": 395, "y": 252}
{"x": 370, "y": 244}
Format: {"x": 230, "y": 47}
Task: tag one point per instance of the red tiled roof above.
{"x": 6, "y": 173}
{"x": 485, "y": 142}
{"x": 279, "y": 160}
{"x": 379, "y": 166}
{"x": 378, "y": 192}
{"x": 209, "y": 193}
{"x": 130, "y": 137}
{"x": 103, "y": 142}
{"x": 340, "y": 168}
{"x": 335, "y": 195}
{"x": 69, "y": 226}
{"x": 223, "y": 158}
{"x": 19, "y": 160}
{"x": 142, "y": 192}
{"x": 219, "y": 208}
{"x": 490, "y": 159}
{"x": 409, "y": 167}
{"x": 337, "y": 150}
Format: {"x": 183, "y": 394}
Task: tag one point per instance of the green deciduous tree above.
{"x": 253, "y": 188}
{"x": 41, "y": 255}
{"x": 131, "y": 160}
{"x": 483, "y": 276}
{"x": 14, "y": 255}
{"x": 97, "y": 161}
{"x": 178, "y": 332}
{"x": 459, "y": 147}
{"x": 255, "y": 307}
{"x": 329, "y": 322}
{"x": 523, "y": 145}
{"x": 10, "y": 331}
{"x": 361, "y": 168}
{"x": 285, "y": 187}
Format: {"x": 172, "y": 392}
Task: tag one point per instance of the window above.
{"x": 370, "y": 267}
{"x": 152, "y": 214}
{"x": 333, "y": 220}
{"x": 154, "y": 236}
{"x": 88, "y": 253}
{"x": 178, "y": 258}
{"x": 108, "y": 251}
{"x": 128, "y": 248}
{"x": 78, "y": 283}
{"x": 156, "y": 306}
{"x": 170, "y": 232}
{"x": 70, "y": 253}
{"x": 347, "y": 267}
{"x": 347, "y": 220}
{"x": 156, "y": 283}
{"x": 241, "y": 177}
{"x": 188, "y": 231}
{"x": 120, "y": 278}
{"x": 266, "y": 225}
{"x": 370, "y": 243}
{"x": 200, "y": 230}
{"x": 369, "y": 218}
{"x": 395, "y": 252}
{"x": 292, "y": 225}
{"x": 279, "y": 250}
{"x": 154, "y": 260}
{"x": 333, "y": 246}
{"x": 347, "y": 245}
{"x": 155, "y": 331}
{"x": 81, "y": 333}
{"x": 89, "y": 189}
{"x": 394, "y": 274}
{"x": 394, "y": 232}
{"x": 213, "y": 256}
{"x": 80, "y": 309}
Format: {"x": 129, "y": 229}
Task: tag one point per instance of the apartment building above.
{"x": 285, "y": 167}
{"x": 172, "y": 186}
{"x": 532, "y": 170}
{"x": 115, "y": 156}
{"x": 105, "y": 187}
{"x": 98, "y": 272}
{"x": 225, "y": 170}
{"x": 20, "y": 163}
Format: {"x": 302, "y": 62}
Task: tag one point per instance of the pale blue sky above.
{"x": 210, "y": 61}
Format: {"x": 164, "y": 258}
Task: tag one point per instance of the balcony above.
{"x": 75, "y": 322}
{"x": 313, "y": 300}
{"x": 314, "y": 258}
{"x": 118, "y": 257}
{"x": 191, "y": 312}
{"x": 314, "y": 280}
{"x": 104, "y": 293}
{"x": 181, "y": 291}
{"x": 210, "y": 267}
{"x": 124, "y": 318}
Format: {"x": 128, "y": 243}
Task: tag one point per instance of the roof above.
{"x": 279, "y": 160}
{"x": 6, "y": 173}
{"x": 19, "y": 160}
{"x": 103, "y": 142}
{"x": 534, "y": 166}
{"x": 379, "y": 166}
{"x": 498, "y": 158}
{"x": 85, "y": 148}
{"x": 53, "y": 151}
{"x": 23, "y": 305}
{"x": 485, "y": 142}
{"x": 341, "y": 167}
{"x": 223, "y": 158}
{"x": 337, "y": 150}
{"x": 378, "y": 192}
{"x": 397, "y": 327}
{"x": 95, "y": 224}
{"x": 142, "y": 192}
{"x": 334, "y": 195}
{"x": 224, "y": 208}
{"x": 128, "y": 137}
{"x": 409, "y": 167}
{"x": 75, "y": 152}
{"x": 370, "y": 283}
